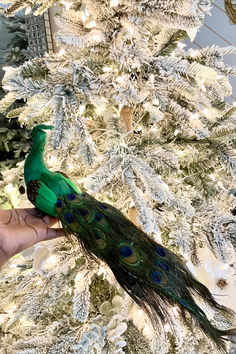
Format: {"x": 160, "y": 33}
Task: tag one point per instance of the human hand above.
{"x": 22, "y": 228}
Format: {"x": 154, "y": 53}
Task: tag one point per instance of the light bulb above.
{"x": 147, "y": 330}
{"x": 206, "y": 112}
{"x": 6, "y": 68}
{"x": 62, "y": 52}
{"x": 155, "y": 102}
{"x": 194, "y": 115}
{"x": 27, "y": 10}
{"x": 120, "y": 79}
{"x": 114, "y": 3}
{"x": 91, "y": 24}
{"x": 193, "y": 53}
{"x": 181, "y": 45}
{"x": 107, "y": 69}
{"x": 212, "y": 176}
{"x": 81, "y": 108}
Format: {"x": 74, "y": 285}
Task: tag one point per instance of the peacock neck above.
{"x": 35, "y": 165}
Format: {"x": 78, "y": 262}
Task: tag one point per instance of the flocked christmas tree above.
{"x": 140, "y": 123}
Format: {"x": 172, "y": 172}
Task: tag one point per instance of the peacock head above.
{"x": 38, "y": 132}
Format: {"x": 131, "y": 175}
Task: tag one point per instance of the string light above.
{"x": 6, "y": 68}
{"x": 155, "y": 102}
{"x": 114, "y": 3}
{"x": 71, "y": 168}
{"x": 28, "y": 10}
{"x": 221, "y": 185}
{"x": 181, "y": 153}
{"x": 70, "y": 291}
{"x": 99, "y": 110}
{"x": 203, "y": 87}
{"x": 194, "y": 115}
{"x": 152, "y": 78}
{"x": 147, "y": 330}
{"x": 167, "y": 327}
{"x": 13, "y": 193}
{"x": 224, "y": 266}
{"x": 91, "y": 24}
{"x": 7, "y": 87}
{"x": 82, "y": 108}
{"x": 39, "y": 282}
{"x": 193, "y": 53}
{"x": 52, "y": 160}
{"x": 212, "y": 176}
{"x": 140, "y": 312}
{"x": 51, "y": 262}
{"x": 120, "y": 79}
{"x": 11, "y": 308}
{"x": 181, "y": 45}
{"x": 66, "y": 4}
{"x": 62, "y": 52}
{"x": 206, "y": 112}
{"x": 78, "y": 277}
{"x": 107, "y": 69}
{"x": 97, "y": 38}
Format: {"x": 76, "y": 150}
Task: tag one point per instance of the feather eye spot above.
{"x": 156, "y": 276}
{"x": 160, "y": 251}
{"x": 100, "y": 239}
{"x": 103, "y": 206}
{"x": 129, "y": 255}
{"x": 83, "y": 212}
{"x": 97, "y": 218}
{"x": 126, "y": 251}
{"x": 71, "y": 196}
{"x": 69, "y": 218}
{"x": 59, "y": 203}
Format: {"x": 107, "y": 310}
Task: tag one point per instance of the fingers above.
{"x": 54, "y": 233}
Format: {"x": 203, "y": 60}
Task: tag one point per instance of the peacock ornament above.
{"x": 155, "y": 278}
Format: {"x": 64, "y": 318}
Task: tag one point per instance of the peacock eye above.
{"x": 100, "y": 239}
{"x": 98, "y": 217}
{"x": 156, "y": 276}
{"x": 69, "y": 218}
{"x": 71, "y": 196}
{"x": 129, "y": 255}
{"x": 59, "y": 203}
{"x": 83, "y": 212}
{"x": 103, "y": 206}
{"x": 126, "y": 251}
{"x": 160, "y": 251}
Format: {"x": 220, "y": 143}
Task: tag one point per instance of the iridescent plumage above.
{"x": 151, "y": 274}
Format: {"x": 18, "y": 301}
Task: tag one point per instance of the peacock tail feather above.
{"x": 152, "y": 275}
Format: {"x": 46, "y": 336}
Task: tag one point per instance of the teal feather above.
{"x": 152, "y": 275}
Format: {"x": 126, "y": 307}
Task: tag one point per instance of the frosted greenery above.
{"x": 140, "y": 123}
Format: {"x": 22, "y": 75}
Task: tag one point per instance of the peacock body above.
{"x": 151, "y": 274}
